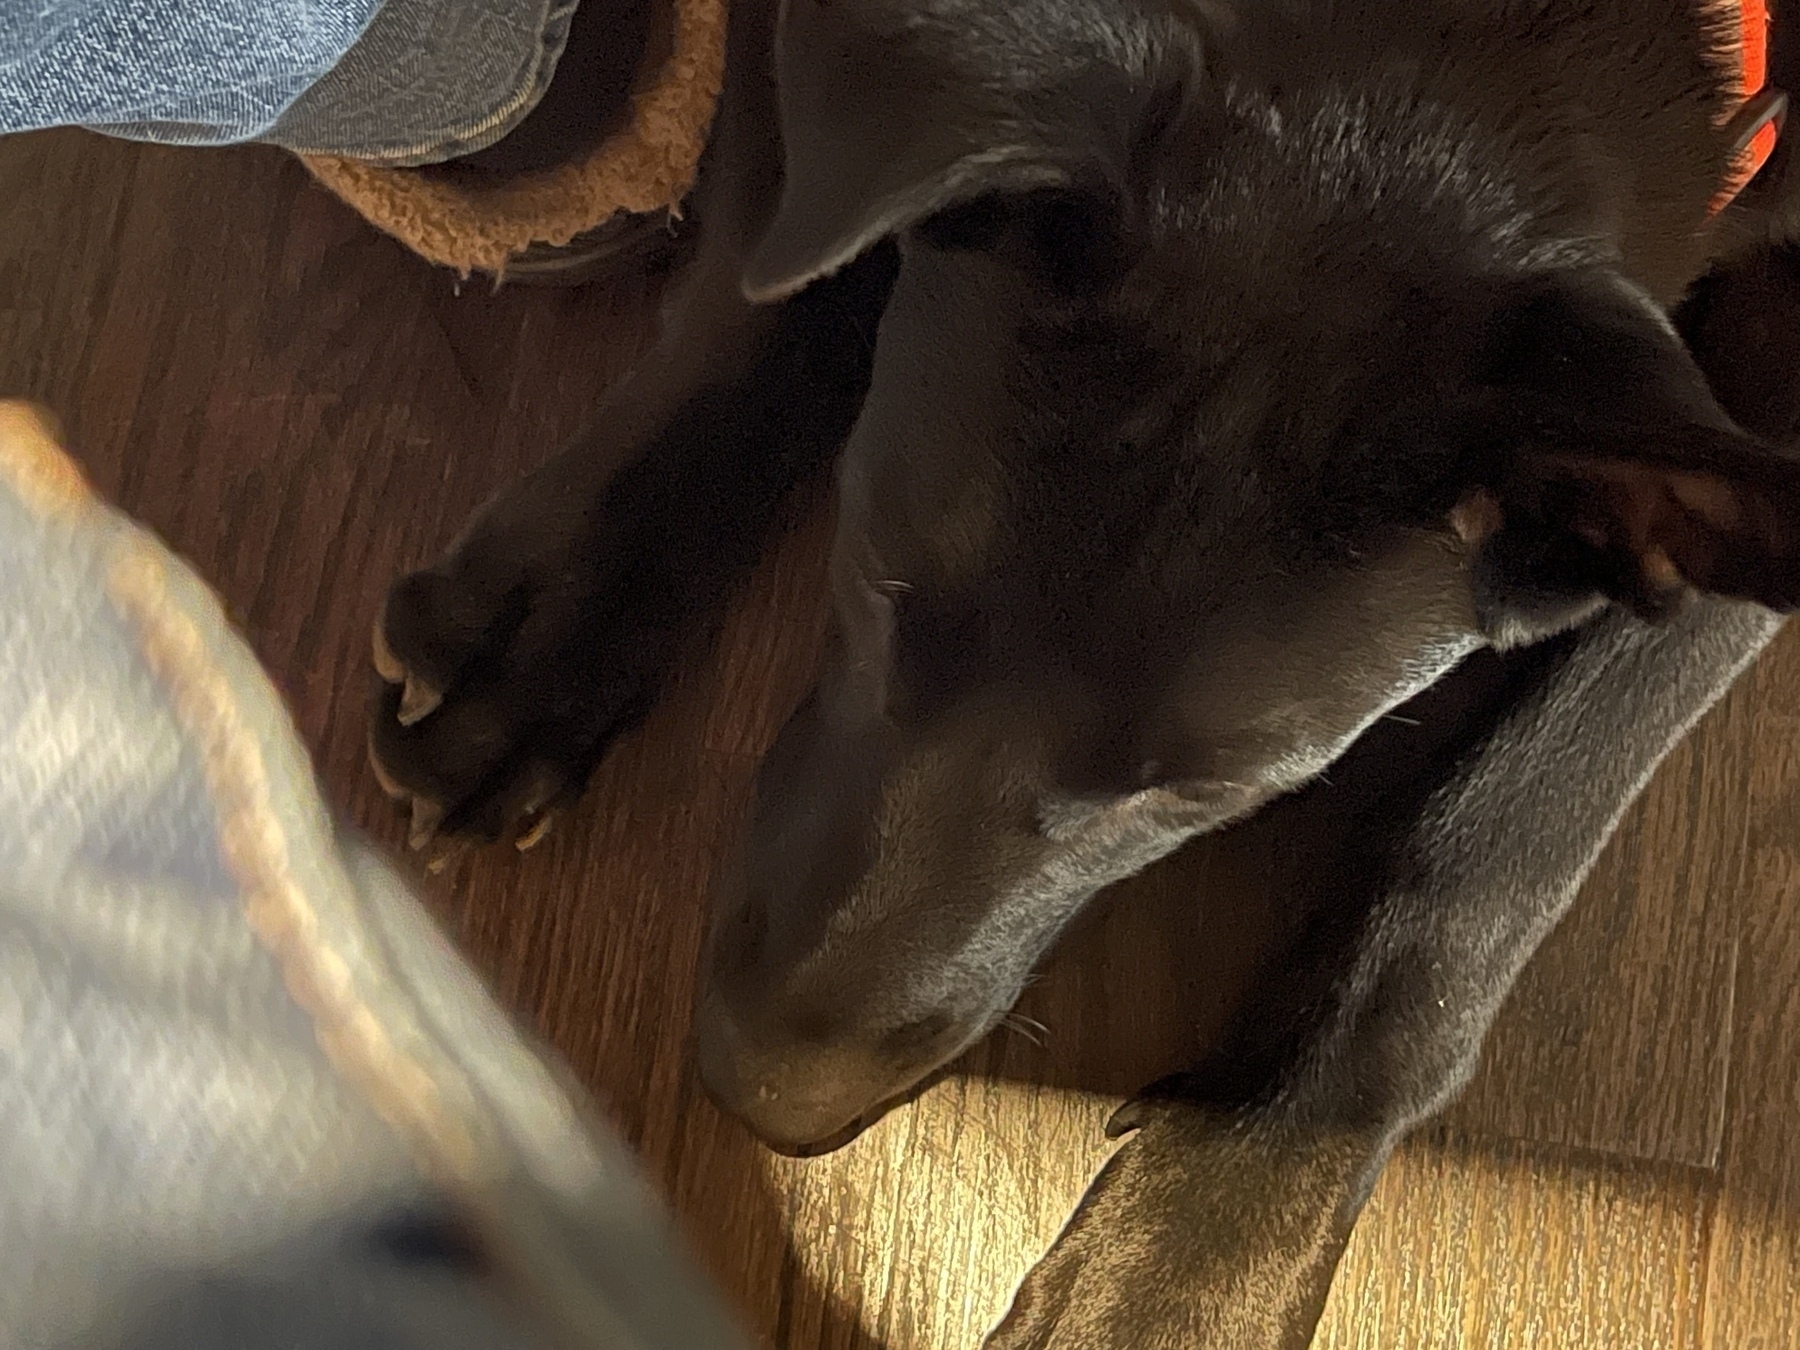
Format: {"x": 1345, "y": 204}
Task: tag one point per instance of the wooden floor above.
{"x": 303, "y": 411}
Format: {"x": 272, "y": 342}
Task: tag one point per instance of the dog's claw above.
{"x": 387, "y": 665}
{"x": 426, "y": 817}
{"x": 540, "y": 829}
{"x": 1133, "y": 1115}
{"x": 393, "y": 790}
{"x": 534, "y": 816}
{"x": 445, "y": 855}
{"x": 418, "y": 701}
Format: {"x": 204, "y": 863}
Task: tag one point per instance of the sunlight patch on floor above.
{"x": 926, "y": 1223}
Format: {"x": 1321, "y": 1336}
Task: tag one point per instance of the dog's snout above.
{"x": 798, "y": 1097}
{"x": 723, "y": 1061}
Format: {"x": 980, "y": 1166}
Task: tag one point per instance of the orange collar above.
{"x": 1758, "y": 109}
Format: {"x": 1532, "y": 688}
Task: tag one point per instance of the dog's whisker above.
{"x": 1028, "y": 1027}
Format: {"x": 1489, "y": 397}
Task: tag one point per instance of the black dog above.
{"x": 1204, "y": 381}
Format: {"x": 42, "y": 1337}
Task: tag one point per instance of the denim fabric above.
{"x": 241, "y": 1072}
{"x": 404, "y": 82}
{"x": 430, "y": 80}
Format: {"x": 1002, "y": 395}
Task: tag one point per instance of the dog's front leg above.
{"x": 1221, "y": 1221}
{"x": 508, "y": 668}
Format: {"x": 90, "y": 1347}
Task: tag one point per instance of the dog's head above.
{"x": 1214, "y": 414}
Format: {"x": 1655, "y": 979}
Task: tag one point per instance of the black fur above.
{"x": 1203, "y": 383}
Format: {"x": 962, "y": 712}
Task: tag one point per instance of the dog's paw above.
{"x": 1197, "y": 1235}
{"x": 505, "y": 672}
{"x": 1105, "y": 1282}
{"x": 1076, "y": 1297}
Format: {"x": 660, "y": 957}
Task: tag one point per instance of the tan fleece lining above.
{"x": 648, "y": 165}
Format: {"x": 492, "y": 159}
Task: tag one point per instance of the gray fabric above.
{"x": 430, "y": 81}
{"x": 401, "y": 82}
{"x": 234, "y": 1050}
{"x": 225, "y": 68}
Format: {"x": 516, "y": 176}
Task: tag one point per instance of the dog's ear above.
{"x": 892, "y": 110}
{"x": 1609, "y": 468}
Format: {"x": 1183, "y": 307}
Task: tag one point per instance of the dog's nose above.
{"x": 798, "y": 1098}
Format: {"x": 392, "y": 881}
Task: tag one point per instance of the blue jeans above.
{"x": 249, "y": 1096}
{"x": 395, "y": 81}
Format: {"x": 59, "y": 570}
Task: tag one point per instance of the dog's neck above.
{"x": 1607, "y": 122}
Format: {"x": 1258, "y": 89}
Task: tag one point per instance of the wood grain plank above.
{"x": 63, "y": 199}
{"x": 1753, "y": 1298}
{"x": 1618, "y": 1036}
{"x": 1468, "y": 1246}
{"x": 915, "y": 1236}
